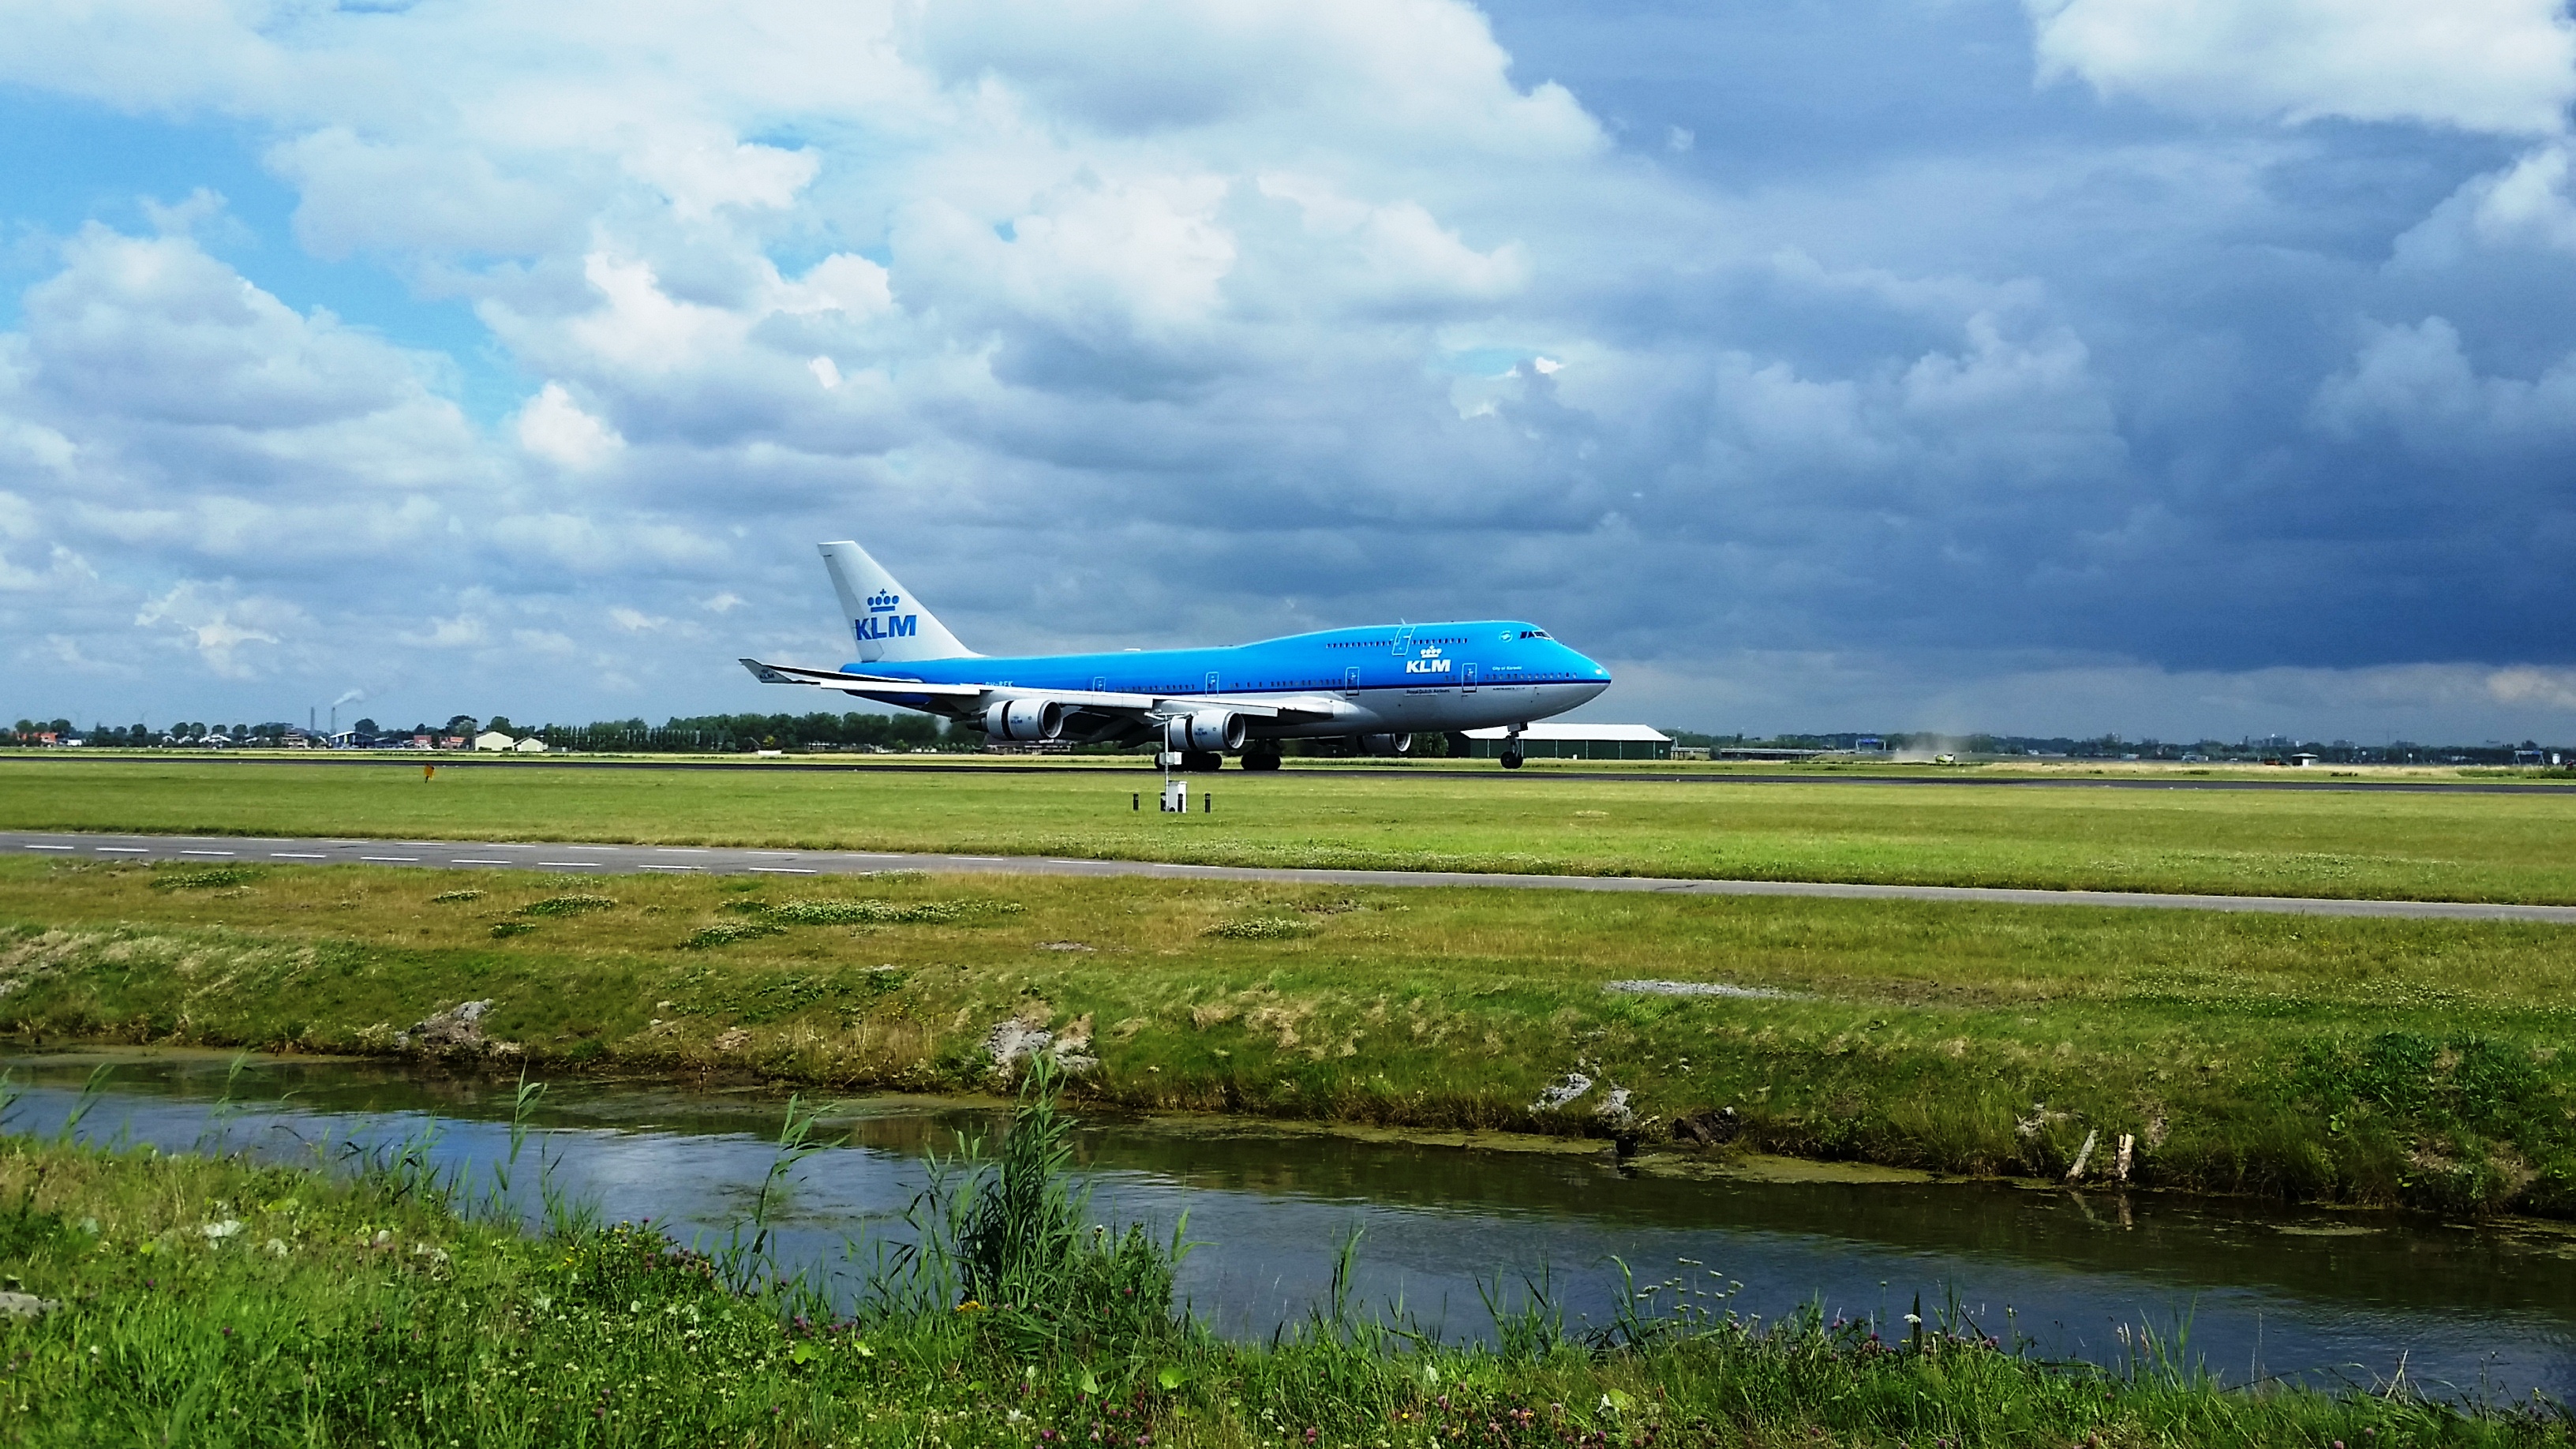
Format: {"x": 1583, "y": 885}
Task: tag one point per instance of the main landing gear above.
{"x": 1261, "y": 759}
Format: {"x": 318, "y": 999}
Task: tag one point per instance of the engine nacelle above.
{"x": 1385, "y": 744}
{"x": 1024, "y": 719}
{"x": 1208, "y": 732}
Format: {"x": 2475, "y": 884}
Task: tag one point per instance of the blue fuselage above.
{"x": 1403, "y": 678}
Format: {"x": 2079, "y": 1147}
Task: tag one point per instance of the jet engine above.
{"x": 1385, "y": 744}
{"x": 1208, "y": 732}
{"x": 1024, "y": 719}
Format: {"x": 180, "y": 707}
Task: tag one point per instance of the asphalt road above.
{"x": 566, "y": 858}
{"x": 2305, "y": 780}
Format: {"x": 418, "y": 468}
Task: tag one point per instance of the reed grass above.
{"x": 204, "y": 1300}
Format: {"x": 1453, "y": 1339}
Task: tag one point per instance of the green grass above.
{"x": 2360, "y": 1061}
{"x": 211, "y": 1302}
{"x": 2515, "y": 847}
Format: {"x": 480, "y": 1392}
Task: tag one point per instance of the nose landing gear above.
{"x": 1512, "y": 747}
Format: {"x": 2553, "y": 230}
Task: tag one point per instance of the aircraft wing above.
{"x": 1268, "y": 706}
{"x": 1137, "y": 707}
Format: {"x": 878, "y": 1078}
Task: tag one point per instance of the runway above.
{"x": 566, "y": 858}
{"x": 1930, "y": 777}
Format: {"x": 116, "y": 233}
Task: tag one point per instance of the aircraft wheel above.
{"x": 1201, "y": 761}
{"x": 1511, "y": 759}
{"x": 1263, "y": 761}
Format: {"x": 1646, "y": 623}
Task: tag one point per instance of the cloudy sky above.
{"x": 2161, "y": 366}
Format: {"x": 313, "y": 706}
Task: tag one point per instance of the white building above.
{"x": 1578, "y": 742}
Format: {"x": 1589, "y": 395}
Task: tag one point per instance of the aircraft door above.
{"x": 1468, "y": 684}
{"x": 1351, "y": 680}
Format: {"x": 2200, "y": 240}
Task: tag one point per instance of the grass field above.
{"x": 2363, "y": 1061}
{"x": 2494, "y": 847}
{"x": 209, "y": 1302}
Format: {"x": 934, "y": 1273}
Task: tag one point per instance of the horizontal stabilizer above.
{"x": 857, "y": 683}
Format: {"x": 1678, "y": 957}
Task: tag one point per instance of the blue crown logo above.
{"x": 883, "y": 603}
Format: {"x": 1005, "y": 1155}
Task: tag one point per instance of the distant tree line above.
{"x": 137, "y": 735}
{"x": 726, "y": 732}
{"x": 2250, "y": 750}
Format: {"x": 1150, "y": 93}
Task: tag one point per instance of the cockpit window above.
{"x": 1533, "y": 633}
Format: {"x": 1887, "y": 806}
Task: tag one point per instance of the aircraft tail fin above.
{"x": 885, "y": 622}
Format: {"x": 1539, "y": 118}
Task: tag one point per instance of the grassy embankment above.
{"x": 2415, "y": 845}
{"x": 203, "y": 1301}
{"x": 2363, "y": 1061}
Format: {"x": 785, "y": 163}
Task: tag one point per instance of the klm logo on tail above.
{"x": 884, "y": 626}
{"x": 882, "y": 621}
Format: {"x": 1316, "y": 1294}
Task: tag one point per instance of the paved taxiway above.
{"x": 566, "y": 858}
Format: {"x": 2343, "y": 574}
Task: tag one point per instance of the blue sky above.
{"x": 2053, "y": 366}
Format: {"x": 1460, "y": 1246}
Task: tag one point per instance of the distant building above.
{"x": 496, "y": 742}
{"x": 530, "y": 746}
{"x": 1577, "y": 742}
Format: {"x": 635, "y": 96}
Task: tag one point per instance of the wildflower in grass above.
{"x": 572, "y": 905}
{"x": 1259, "y": 928}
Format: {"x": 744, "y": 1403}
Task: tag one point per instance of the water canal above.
{"x": 2484, "y": 1311}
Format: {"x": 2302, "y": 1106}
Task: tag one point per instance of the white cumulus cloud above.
{"x": 555, "y": 428}
{"x": 2506, "y": 66}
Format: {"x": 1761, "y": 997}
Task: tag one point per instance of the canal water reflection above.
{"x": 2485, "y": 1311}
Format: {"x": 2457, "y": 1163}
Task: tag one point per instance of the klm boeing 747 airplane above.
{"x": 1377, "y": 687}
